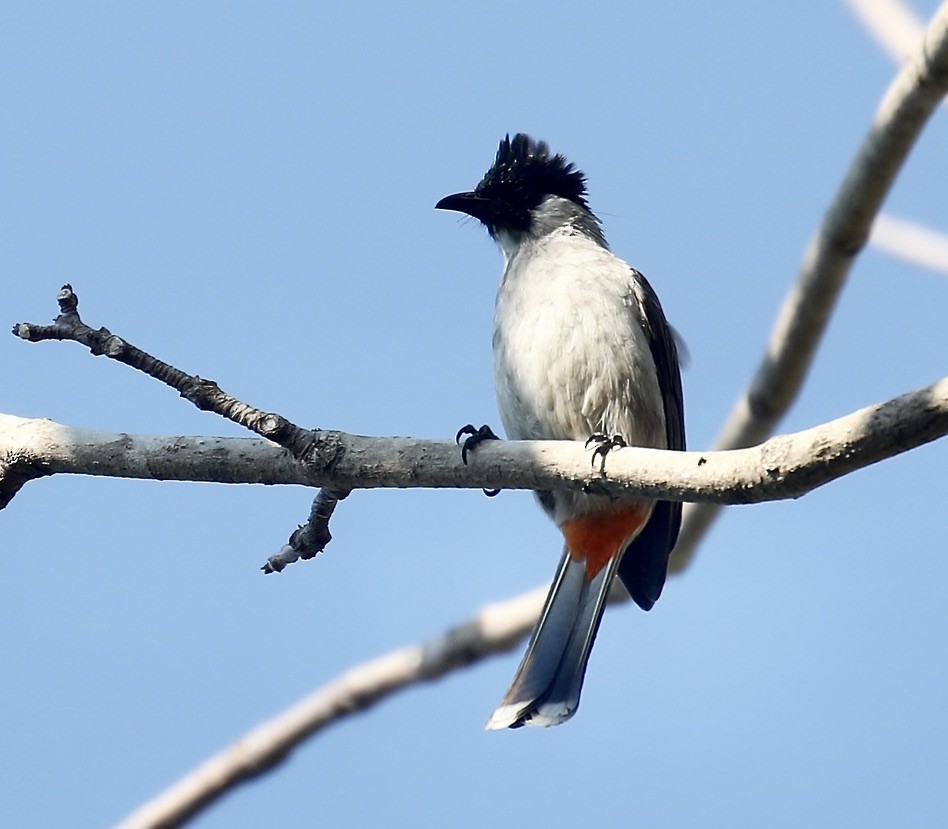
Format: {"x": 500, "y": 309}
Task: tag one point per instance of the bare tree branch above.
{"x": 910, "y": 242}
{"x": 905, "y": 108}
{"x": 786, "y": 466}
{"x": 310, "y": 539}
{"x": 205, "y": 394}
{"x": 307, "y": 540}
{"x": 894, "y": 26}
{"x": 31, "y": 449}
{"x": 898, "y": 30}
{"x": 494, "y": 629}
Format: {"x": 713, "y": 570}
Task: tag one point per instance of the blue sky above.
{"x": 247, "y": 191}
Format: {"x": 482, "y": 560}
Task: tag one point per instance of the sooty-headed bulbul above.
{"x": 581, "y": 350}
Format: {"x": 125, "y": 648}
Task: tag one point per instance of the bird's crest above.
{"x": 524, "y": 172}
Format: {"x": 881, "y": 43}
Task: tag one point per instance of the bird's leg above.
{"x": 476, "y": 437}
{"x": 604, "y": 445}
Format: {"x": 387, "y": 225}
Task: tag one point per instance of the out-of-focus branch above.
{"x": 494, "y": 629}
{"x": 894, "y": 26}
{"x": 905, "y": 108}
{"x": 898, "y": 30}
{"x": 910, "y": 242}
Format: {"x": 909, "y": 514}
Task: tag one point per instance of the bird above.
{"x": 581, "y": 351}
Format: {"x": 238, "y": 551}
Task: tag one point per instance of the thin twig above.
{"x": 312, "y": 446}
{"x": 310, "y": 539}
{"x": 205, "y": 394}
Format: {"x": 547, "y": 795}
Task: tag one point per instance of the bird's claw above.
{"x": 604, "y": 445}
{"x": 474, "y": 439}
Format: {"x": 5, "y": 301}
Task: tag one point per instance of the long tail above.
{"x": 546, "y": 689}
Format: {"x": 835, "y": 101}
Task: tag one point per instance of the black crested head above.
{"x": 523, "y": 174}
{"x": 525, "y": 171}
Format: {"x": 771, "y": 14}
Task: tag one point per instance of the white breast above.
{"x": 571, "y": 357}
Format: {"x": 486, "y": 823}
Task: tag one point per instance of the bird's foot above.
{"x": 474, "y": 439}
{"x": 604, "y": 445}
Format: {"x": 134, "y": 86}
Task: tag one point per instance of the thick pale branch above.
{"x": 784, "y": 467}
{"x": 908, "y": 103}
{"x": 37, "y": 448}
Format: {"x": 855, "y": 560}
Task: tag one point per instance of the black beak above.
{"x": 469, "y": 203}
